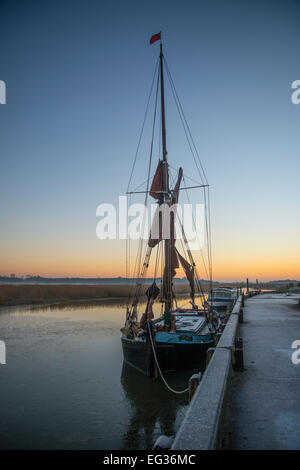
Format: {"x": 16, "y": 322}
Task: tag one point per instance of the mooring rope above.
{"x": 156, "y": 361}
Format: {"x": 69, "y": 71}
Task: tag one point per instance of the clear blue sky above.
{"x": 77, "y": 76}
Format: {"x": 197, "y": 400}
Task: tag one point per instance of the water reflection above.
{"x": 151, "y": 407}
{"x": 64, "y": 386}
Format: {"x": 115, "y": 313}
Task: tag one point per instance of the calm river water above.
{"x": 64, "y": 385}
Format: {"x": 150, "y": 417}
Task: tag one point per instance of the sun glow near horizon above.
{"x": 108, "y": 259}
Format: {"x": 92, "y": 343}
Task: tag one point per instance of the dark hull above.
{"x": 171, "y": 357}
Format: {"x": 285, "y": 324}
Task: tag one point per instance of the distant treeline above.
{"x": 79, "y": 280}
{"x": 15, "y": 293}
{"x": 20, "y": 294}
{"x": 12, "y": 279}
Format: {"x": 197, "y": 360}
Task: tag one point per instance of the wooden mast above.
{"x": 166, "y": 198}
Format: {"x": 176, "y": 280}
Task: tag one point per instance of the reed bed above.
{"x": 40, "y": 293}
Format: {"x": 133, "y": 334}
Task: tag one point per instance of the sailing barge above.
{"x": 180, "y": 337}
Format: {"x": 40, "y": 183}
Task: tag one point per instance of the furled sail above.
{"x": 162, "y": 215}
{"x": 156, "y": 190}
{"x": 172, "y": 269}
{"x": 189, "y": 272}
{"x": 156, "y": 228}
{"x": 174, "y": 259}
{"x": 165, "y": 214}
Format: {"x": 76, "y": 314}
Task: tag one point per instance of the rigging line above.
{"x": 159, "y": 139}
{"x": 140, "y": 249}
{"x": 158, "y": 367}
{"x": 150, "y": 159}
{"x": 191, "y": 137}
{"x": 188, "y": 254}
{"x": 190, "y": 140}
{"x": 173, "y": 179}
{"x": 138, "y": 285}
{"x": 184, "y": 125}
{"x": 187, "y": 137}
{"x": 209, "y": 235}
{"x": 136, "y": 154}
{"x": 207, "y": 222}
{"x": 156, "y": 261}
{"x": 197, "y": 277}
{"x": 206, "y": 231}
{"x": 152, "y": 140}
{"x": 128, "y": 255}
{"x": 140, "y": 185}
{"x": 209, "y": 227}
{"x": 162, "y": 271}
{"x": 211, "y": 280}
{"x": 143, "y": 125}
{"x": 126, "y": 265}
{"x": 171, "y": 190}
{"x": 201, "y": 250}
{"x": 188, "y": 177}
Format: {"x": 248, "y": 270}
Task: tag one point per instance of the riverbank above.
{"x": 38, "y": 293}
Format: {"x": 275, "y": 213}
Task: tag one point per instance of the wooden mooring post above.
{"x": 238, "y": 353}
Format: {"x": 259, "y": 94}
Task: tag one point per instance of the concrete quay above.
{"x": 263, "y": 407}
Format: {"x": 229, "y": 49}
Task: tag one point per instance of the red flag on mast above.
{"x": 155, "y": 37}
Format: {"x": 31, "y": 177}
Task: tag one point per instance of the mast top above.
{"x": 163, "y": 116}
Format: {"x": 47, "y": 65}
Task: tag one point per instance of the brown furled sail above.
{"x": 158, "y": 223}
{"x": 156, "y": 229}
{"x": 173, "y": 267}
{"x": 189, "y": 272}
{"x": 174, "y": 259}
{"x": 156, "y": 190}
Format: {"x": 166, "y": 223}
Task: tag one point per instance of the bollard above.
{"x": 241, "y": 316}
{"x": 238, "y": 354}
{"x": 193, "y": 384}
{"x": 243, "y": 300}
{"x": 227, "y": 314}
